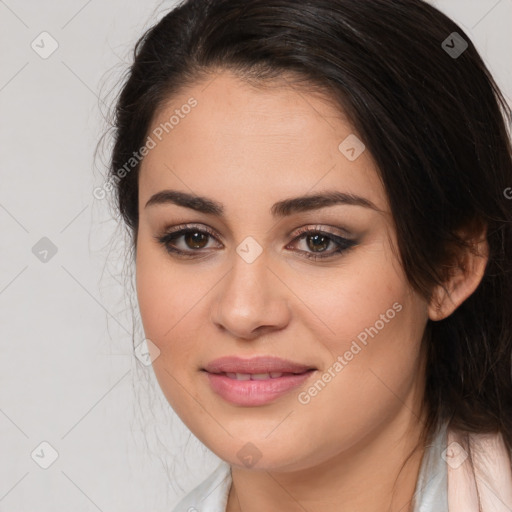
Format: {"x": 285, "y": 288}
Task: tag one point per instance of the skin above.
{"x": 248, "y": 148}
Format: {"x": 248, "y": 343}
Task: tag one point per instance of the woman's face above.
{"x": 247, "y": 288}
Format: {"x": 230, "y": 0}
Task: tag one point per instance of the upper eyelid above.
{"x": 343, "y": 233}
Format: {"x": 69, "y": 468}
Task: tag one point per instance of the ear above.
{"x": 463, "y": 277}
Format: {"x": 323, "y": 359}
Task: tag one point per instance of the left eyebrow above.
{"x": 280, "y": 209}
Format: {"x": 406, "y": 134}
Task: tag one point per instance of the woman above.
{"x": 323, "y": 244}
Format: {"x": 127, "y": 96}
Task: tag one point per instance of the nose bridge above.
{"x": 250, "y": 296}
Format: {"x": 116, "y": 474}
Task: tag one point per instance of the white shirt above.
{"x": 430, "y": 493}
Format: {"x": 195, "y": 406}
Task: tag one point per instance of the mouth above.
{"x": 256, "y": 381}
{"x": 259, "y": 376}
{"x": 255, "y": 389}
{"x": 256, "y": 368}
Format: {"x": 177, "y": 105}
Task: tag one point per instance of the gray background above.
{"x": 68, "y": 374}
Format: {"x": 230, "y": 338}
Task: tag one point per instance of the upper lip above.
{"x": 259, "y": 364}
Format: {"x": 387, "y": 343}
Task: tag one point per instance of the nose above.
{"x": 251, "y": 300}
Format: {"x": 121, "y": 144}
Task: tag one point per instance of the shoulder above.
{"x": 479, "y": 468}
{"x": 210, "y": 495}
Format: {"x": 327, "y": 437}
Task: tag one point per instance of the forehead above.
{"x": 260, "y": 142}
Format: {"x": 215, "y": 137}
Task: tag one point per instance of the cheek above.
{"x": 158, "y": 291}
{"x": 163, "y": 301}
{"x": 371, "y": 372}
{"x": 344, "y": 301}
{"x": 371, "y": 323}
{"x": 171, "y": 301}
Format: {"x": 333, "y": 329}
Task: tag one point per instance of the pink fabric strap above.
{"x": 491, "y": 479}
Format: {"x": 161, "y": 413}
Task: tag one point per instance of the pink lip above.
{"x": 258, "y": 364}
{"x": 255, "y": 392}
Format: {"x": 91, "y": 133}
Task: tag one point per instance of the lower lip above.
{"x": 254, "y": 392}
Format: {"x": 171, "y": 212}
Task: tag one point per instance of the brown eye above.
{"x": 187, "y": 241}
{"x": 196, "y": 239}
{"x": 318, "y": 242}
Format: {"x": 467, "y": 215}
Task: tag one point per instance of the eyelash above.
{"x": 344, "y": 244}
